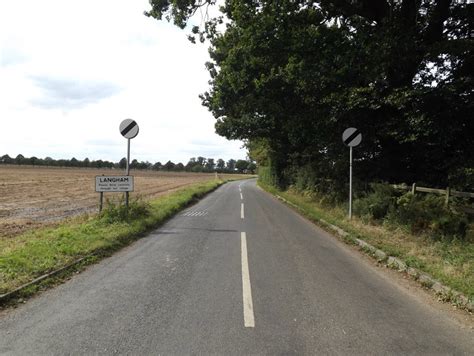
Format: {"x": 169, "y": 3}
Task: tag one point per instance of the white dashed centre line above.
{"x": 249, "y": 318}
{"x": 241, "y": 196}
{"x": 242, "y": 210}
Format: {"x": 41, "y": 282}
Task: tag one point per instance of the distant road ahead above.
{"x": 237, "y": 273}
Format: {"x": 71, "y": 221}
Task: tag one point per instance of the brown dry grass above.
{"x": 38, "y": 196}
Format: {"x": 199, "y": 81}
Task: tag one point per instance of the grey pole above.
{"x": 127, "y": 170}
{"x": 350, "y": 182}
{"x": 101, "y": 200}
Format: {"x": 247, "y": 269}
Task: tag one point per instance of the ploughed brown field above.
{"x": 34, "y": 196}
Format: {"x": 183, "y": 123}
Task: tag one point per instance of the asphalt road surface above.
{"x": 237, "y": 273}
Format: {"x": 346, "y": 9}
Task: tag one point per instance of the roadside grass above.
{"x": 450, "y": 262}
{"x": 35, "y": 253}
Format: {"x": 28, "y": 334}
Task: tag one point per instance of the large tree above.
{"x": 294, "y": 74}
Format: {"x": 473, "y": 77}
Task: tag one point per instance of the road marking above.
{"x": 249, "y": 319}
{"x": 195, "y": 213}
{"x": 242, "y": 210}
{"x": 241, "y": 196}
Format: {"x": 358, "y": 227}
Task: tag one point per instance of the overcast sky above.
{"x": 71, "y": 71}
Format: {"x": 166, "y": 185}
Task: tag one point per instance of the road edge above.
{"x": 53, "y": 278}
{"x": 444, "y": 293}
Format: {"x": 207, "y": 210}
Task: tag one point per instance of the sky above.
{"x": 71, "y": 71}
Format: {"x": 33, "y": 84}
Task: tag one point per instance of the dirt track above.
{"x": 31, "y": 196}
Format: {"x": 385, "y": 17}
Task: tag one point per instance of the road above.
{"x": 237, "y": 273}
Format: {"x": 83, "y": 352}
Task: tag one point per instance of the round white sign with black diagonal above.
{"x": 351, "y": 137}
{"x": 129, "y": 128}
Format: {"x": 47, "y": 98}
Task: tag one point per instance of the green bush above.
{"x": 462, "y": 179}
{"x": 306, "y": 179}
{"x": 326, "y": 191}
{"x": 378, "y": 203}
{"x": 428, "y": 213}
{"x": 421, "y": 213}
{"x": 266, "y": 176}
{"x": 118, "y": 212}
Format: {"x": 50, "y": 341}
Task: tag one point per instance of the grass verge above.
{"x": 35, "y": 253}
{"x": 451, "y": 263}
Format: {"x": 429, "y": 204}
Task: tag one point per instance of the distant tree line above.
{"x": 199, "y": 164}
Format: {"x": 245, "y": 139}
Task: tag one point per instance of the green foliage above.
{"x": 462, "y": 179}
{"x": 266, "y": 176}
{"x": 118, "y": 212}
{"x": 169, "y": 166}
{"x": 206, "y": 165}
{"x": 306, "y": 179}
{"x": 231, "y": 165}
{"x": 220, "y": 164}
{"x": 295, "y": 74}
{"x": 241, "y": 165}
{"x": 428, "y": 213}
{"x": 378, "y": 203}
{"x": 421, "y": 213}
{"x": 122, "y": 163}
{"x": 252, "y": 167}
{"x": 258, "y": 150}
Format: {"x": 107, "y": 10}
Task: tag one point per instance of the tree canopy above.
{"x": 289, "y": 76}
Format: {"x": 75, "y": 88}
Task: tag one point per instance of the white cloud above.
{"x": 70, "y": 94}
{"x": 71, "y": 71}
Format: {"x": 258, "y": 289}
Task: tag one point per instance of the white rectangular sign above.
{"x": 114, "y": 183}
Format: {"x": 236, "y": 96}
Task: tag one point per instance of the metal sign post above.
{"x": 350, "y": 182}
{"x": 128, "y": 129}
{"x": 351, "y": 137}
{"x": 127, "y": 171}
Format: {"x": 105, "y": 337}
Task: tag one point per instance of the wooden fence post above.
{"x": 448, "y": 193}
{"x": 413, "y": 188}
